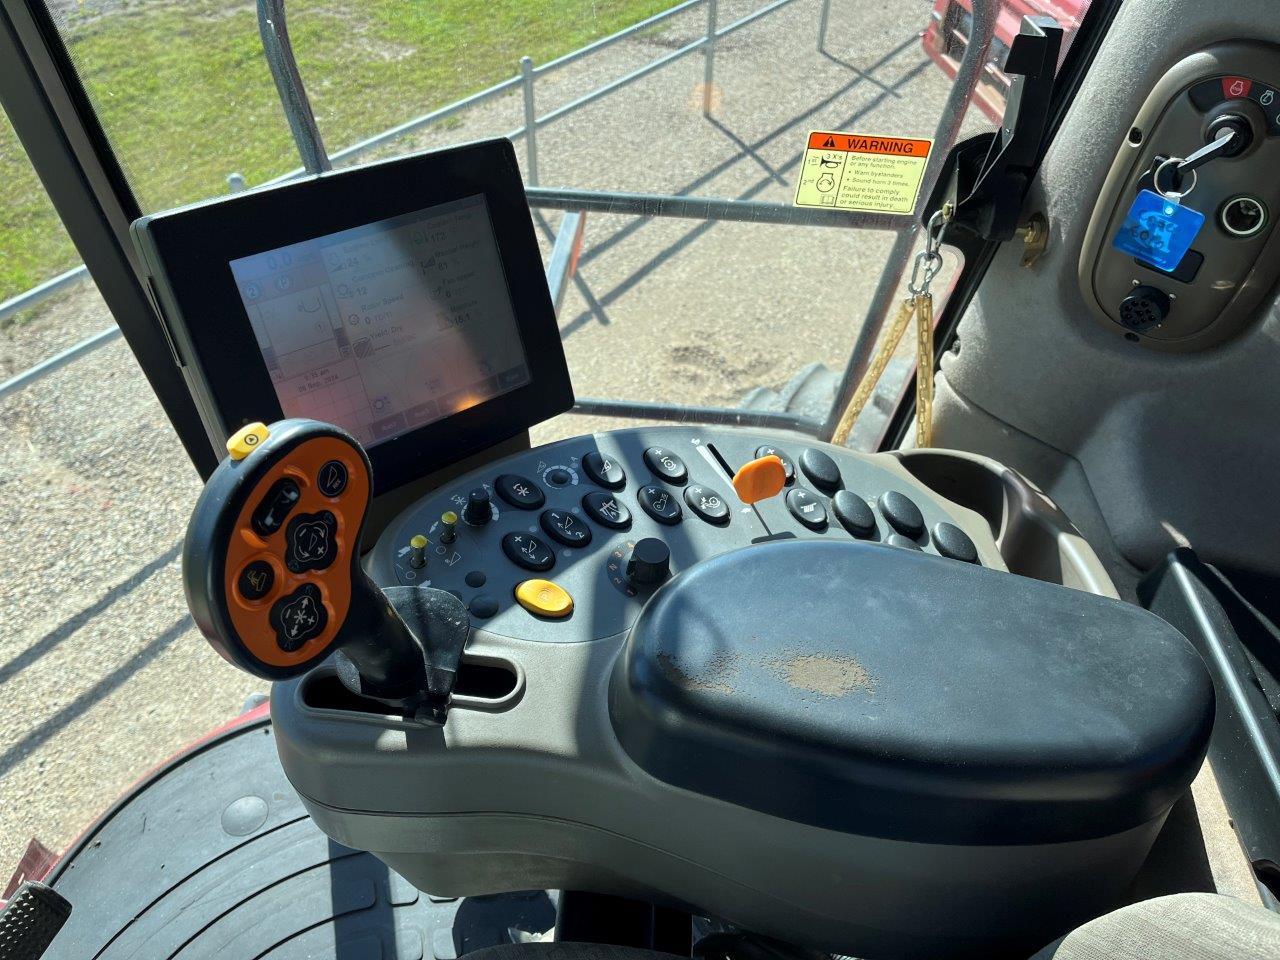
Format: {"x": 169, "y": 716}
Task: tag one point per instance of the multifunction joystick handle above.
{"x": 272, "y": 572}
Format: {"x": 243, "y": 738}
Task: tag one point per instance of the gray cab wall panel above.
{"x": 1176, "y": 447}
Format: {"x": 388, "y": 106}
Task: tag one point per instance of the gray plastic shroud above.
{"x": 595, "y": 575}
{"x": 533, "y": 790}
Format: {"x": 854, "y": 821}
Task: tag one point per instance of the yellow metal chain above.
{"x": 867, "y": 385}
{"x": 924, "y": 369}
{"x": 919, "y": 305}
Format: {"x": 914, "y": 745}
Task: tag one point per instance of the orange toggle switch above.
{"x": 760, "y": 479}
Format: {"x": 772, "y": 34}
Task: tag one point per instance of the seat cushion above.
{"x": 1185, "y": 926}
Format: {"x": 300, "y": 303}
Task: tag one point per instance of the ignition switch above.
{"x": 1238, "y": 125}
{"x": 1145, "y": 307}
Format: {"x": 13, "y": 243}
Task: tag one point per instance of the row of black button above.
{"x": 564, "y": 527}
{"x": 901, "y": 512}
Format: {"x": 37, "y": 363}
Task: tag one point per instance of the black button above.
{"x": 807, "y": 508}
{"x": 311, "y": 542}
{"x": 707, "y": 504}
{"x": 820, "y": 469}
{"x": 564, "y": 526}
{"x": 607, "y": 510}
{"x": 902, "y": 513}
{"x": 519, "y": 491}
{"x": 898, "y": 540}
{"x": 604, "y": 471}
{"x": 299, "y": 617}
{"x": 332, "y": 478}
{"x": 770, "y": 451}
{"x": 854, "y": 514}
{"x": 475, "y": 579}
{"x": 526, "y": 550}
{"x": 558, "y": 476}
{"x": 665, "y": 465}
{"x": 661, "y": 504}
{"x": 483, "y": 606}
{"x": 275, "y": 506}
{"x": 256, "y": 580}
{"x": 953, "y": 542}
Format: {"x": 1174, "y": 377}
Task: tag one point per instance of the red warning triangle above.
{"x": 830, "y": 142}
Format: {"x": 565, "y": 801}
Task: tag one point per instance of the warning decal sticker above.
{"x": 852, "y": 171}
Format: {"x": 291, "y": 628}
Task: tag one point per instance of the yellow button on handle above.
{"x": 544, "y": 598}
{"x": 247, "y": 439}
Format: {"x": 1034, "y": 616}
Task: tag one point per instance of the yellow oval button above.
{"x": 544, "y": 598}
{"x": 247, "y": 439}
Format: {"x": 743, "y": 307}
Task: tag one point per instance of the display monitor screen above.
{"x": 386, "y": 327}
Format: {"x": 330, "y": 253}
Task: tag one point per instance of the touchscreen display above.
{"x": 386, "y": 327}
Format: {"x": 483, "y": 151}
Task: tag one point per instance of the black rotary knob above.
{"x": 478, "y": 510}
{"x": 650, "y": 562}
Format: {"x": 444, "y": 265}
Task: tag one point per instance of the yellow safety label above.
{"x": 853, "y": 171}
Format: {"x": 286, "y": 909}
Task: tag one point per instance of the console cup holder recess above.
{"x": 1035, "y": 538}
{"x": 484, "y": 683}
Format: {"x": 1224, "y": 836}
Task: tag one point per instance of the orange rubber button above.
{"x": 760, "y": 479}
{"x": 544, "y": 598}
{"x": 247, "y": 439}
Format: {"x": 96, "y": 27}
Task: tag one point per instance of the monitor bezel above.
{"x": 189, "y": 253}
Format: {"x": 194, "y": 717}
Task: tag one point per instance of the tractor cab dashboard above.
{"x": 769, "y": 680}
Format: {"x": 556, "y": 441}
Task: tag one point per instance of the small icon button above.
{"x": 526, "y": 550}
{"x": 311, "y": 542}
{"x": 519, "y": 491}
{"x": 707, "y": 504}
{"x": 558, "y": 477}
{"x": 299, "y": 617}
{"x": 660, "y": 503}
{"x": 256, "y": 580}
{"x": 544, "y": 598}
{"x": 807, "y": 508}
{"x": 606, "y": 510}
{"x": 768, "y": 450}
{"x": 564, "y": 527}
{"x": 332, "y": 478}
{"x": 275, "y": 506}
{"x": 604, "y": 471}
{"x": 665, "y": 465}
{"x": 247, "y": 439}
{"x": 1236, "y": 87}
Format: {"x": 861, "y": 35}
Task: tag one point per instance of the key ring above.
{"x": 1173, "y": 196}
{"x": 930, "y": 258}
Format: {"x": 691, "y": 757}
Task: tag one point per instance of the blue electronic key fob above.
{"x": 1158, "y": 231}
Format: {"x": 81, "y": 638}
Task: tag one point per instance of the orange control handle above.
{"x": 271, "y": 565}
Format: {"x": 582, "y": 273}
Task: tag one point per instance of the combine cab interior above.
{"x": 969, "y": 649}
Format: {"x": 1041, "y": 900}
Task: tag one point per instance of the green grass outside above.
{"x": 186, "y": 98}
